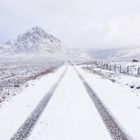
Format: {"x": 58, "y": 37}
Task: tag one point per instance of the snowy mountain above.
{"x": 37, "y": 43}
{"x": 118, "y": 54}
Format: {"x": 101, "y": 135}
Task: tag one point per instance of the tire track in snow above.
{"x": 114, "y": 129}
{"x": 24, "y": 131}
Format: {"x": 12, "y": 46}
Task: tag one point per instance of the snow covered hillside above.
{"x": 14, "y": 75}
{"x": 37, "y": 43}
{"x": 118, "y": 54}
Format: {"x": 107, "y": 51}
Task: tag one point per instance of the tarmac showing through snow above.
{"x": 70, "y": 115}
{"x": 67, "y": 115}
{"x": 24, "y": 131}
{"x": 116, "y": 132}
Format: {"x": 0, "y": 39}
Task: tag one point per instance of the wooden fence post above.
{"x": 120, "y": 70}
{"x": 128, "y": 69}
{"x": 110, "y": 67}
{"x": 138, "y": 71}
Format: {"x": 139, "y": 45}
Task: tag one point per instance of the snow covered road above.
{"x": 14, "y": 113}
{"x": 115, "y": 130}
{"x": 69, "y": 115}
{"x": 24, "y": 131}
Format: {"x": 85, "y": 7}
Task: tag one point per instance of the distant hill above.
{"x": 37, "y": 43}
{"x": 118, "y": 54}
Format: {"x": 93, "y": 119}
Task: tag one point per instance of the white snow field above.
{"x": 70, "y": 113}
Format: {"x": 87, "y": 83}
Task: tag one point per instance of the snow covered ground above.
{"x": 119, "y": 99}
{"x": 14, "y": 74}
{"x": 126, "y": 81}
{"x": 13, "y": 114}
{"x": 71, "y": 114}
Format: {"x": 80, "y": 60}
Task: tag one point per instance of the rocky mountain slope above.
{"x": 37, "y": 43}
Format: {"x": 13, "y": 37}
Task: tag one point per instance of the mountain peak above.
{"x": 37, "y": 30}
{"x": 33, "y": 41}
{"x": 37, "y": 43}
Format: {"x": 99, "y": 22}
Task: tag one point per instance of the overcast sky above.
{"x": 77, "y": 23}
